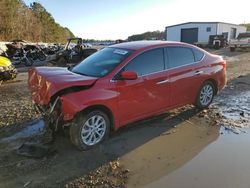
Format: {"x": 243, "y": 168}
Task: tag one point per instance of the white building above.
{"x": 199, "y": 32}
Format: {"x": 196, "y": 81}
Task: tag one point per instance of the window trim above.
{"x": 164, "y": 63}
{"x": 194, "y": 55}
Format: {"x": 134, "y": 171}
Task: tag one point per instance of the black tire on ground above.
{"x": 201, "y": 105}
{"x": 77, "y": 127}
{"x": 232, "y": 49}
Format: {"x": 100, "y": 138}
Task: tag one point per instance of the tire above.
{"x": 232, "y": 49}
{"x": 203, "y": 100}
{"x": 41, "y": 57}
{"x": 81, "y": 134}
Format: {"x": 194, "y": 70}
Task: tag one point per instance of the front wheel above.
{"x": 205, "y": 95}
{"x": 89, "y": 129}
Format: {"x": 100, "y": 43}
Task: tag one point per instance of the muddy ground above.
{"x": 135, "y": 156}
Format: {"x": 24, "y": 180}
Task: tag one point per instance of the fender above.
{"x": 76, "y": 102}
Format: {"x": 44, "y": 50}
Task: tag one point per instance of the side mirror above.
{"x": 129, "y": 75}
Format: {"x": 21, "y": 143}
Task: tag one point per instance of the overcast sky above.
{"x": 117, "y": 19}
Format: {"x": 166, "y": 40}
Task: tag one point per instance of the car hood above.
{"x": 45, "y": 82}
{"x": 4, "y": 62}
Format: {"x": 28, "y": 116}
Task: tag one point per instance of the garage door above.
{"x": 189, "y": 35}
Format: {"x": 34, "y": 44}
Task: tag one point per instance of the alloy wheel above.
{"x": 206, "y": 95}
{"x": 93, "y": 130}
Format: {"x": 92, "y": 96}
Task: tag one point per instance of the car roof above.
{"x": 137, "y": 45}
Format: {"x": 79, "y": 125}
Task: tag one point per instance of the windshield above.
{"x": 102, "y": 62}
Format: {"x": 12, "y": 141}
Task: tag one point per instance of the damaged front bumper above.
{"x": 57, "y": 114}
{"x": 52, "y": 114}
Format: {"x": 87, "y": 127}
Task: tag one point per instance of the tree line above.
{"x": 155, "y": 35}
{"x": 32, "y": 23}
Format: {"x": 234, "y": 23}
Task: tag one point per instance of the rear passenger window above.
{"x": 198, "y": 55}
{"x": 179, "y": 56}
{"x": 148, "y": 62}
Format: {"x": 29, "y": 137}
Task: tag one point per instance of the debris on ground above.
{"x": 108, "y": 175}
{"x": 35, "y": 150}
{"x": 168, "y": 132}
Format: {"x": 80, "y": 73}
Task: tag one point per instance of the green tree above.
{"x": 34, "y": 23}
{"x": 155, "y": 35}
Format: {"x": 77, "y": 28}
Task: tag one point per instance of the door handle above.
{"x": 162, "y": 82}
{"x": 199, "y": 72}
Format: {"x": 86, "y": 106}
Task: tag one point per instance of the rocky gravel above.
{"x": 15, "y": 103}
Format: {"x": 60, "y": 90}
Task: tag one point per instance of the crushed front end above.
{"x": 52, "y": 114}
{"x": 50, "y": 88}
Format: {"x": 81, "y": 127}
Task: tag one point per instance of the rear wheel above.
{"x": 205, "y": 95}
{"x": 89, "y": 129}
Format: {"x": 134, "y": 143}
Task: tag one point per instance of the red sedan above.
{"x": 124, "y": 83}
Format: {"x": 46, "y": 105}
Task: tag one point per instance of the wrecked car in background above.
{"x": 124, "y": 83}
{"x": 73, "y": 53}
{"x": 7, "y": 70}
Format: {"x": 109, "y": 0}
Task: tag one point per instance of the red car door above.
{"x": 185, "y": 75}
{"x": 147, "y": 94}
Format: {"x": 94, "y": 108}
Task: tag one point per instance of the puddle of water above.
{"x": 236, "y": 108}
{"x": 224, "y": 164}
{"x": 34, "y": 128}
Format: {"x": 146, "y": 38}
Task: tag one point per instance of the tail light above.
{"x": 224, "y": 64}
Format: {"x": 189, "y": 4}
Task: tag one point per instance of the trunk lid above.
{"x": 44, "y": 82}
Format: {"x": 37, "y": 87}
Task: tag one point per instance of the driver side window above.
{"x": 147, "y": 62}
